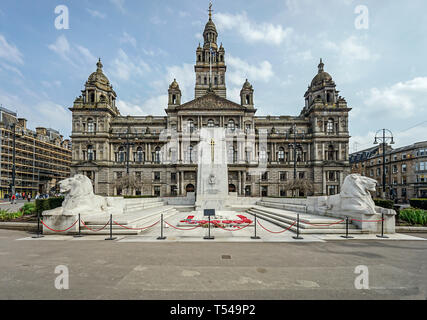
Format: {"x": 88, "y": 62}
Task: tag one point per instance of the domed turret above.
{"x": 247, "y": 95}
{"x": 321, "y": 76}
{"x": 174, "y": 94}
{"x": 98, "y": 77}
{"x": 210, "y": 34}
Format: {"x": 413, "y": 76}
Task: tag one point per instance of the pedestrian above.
{"x": 29, "y": 197}
{"x": 13, "y": 199}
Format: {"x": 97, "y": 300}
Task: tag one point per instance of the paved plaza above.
{"x": 130, "y": 269}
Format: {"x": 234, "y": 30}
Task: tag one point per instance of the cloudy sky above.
{"x": 376, "y": 57}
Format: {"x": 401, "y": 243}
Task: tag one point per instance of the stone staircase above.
{"x": 297, "y": 205}
{"x": 309, "y": 224}
{"x": 138, "y": 213}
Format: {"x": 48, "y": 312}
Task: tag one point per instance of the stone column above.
{"x": 240, "y": 183}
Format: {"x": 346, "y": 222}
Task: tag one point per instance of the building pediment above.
{"x": 210, "y": 101}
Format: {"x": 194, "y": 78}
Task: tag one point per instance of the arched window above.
{"x": 91, "y": 97}
{"x": 211, "y": 123}
{"x": 139, "y": 155}
{"x": 157, "y": 157}
{"x": 328, "y": 97}
{"x": 231, "y": 125}
{"x": 90, "y": 153}
{"x": 199, "y": 58}
{"x": 248, "y": 100}
{"x": 232, "y": 155}
{"x": 190, "y": 125}
{"x": 205, "y": 80}
{"x": 173, "y": 99}
{"x": 330, "y": 153}
{"x": 281, "y": 155}
{"x": 330, "y": 126}
{"x": 90, "y": 125}
{"x": 121, "y": 154}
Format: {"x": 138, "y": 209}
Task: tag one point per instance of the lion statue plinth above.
{"x": 354, "y": 201}
{"x": 80, "y": 199}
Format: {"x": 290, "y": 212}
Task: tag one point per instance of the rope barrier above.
{"x": 237, "y": 228}
{"x": 183, "y": 229}
{"x": 274, "y": 231}
{"x": 84, "y": 225}
{"x": 324, "y": 225}
{"x": 368, "y": 220}
{"x": 143, "y": 228}
{"x": 58, "y": 230}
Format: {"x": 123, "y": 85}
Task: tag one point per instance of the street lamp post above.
{"x": 13, "y": 158}
{"x": 295, "y": 146}
{"x": 127, "y": 136}
{"x": 387, "y": 135}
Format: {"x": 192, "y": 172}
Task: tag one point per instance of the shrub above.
{"x": 414, "y": 216}
{"x": 28, "y": 208}
{"x": 5, "y": 215}
{"x": 418, "y": 203}
{"x": 388, "y": 204}
{"x": 48, "y": 204}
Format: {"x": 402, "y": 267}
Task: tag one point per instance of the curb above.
{"x": 18, "y": 226}
{"x": 403, "y": 229}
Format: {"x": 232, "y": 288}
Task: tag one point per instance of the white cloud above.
{"x": 405, "y": 99}
{"x": 120, "y": 4}
{"x": 124, "y": 67}
{"x": 8, "y": 67}
{"x": 10, "y": 52}
{"x": 75, "y": 55}
{"x": 242, "y": 70}
{"x": 153, "y": 106}
{"x": 352, "y": 49}
{"x": 251, "y": 31}
{"x": 96, "y": 13}
{"x": 127, "y": 38}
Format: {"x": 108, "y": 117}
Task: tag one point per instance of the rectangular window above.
{"x": 301, "y": 175}
{"x": 264, "y": 176}
{"x": 173, "y": 176}
{"x": 157, "y": 176}
{"x": 404, "y": 167}
{"x": 157, "y": 191}
{"x": 282, "y": 176}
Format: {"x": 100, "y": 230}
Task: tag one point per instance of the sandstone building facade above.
{"x": 42, "y": 157}
{"x": 405, "y": 168}
{"x": 161, "y": 151}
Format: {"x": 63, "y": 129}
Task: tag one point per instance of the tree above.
{"x": 128, "y": 183}
{"x": 303, "y": 185}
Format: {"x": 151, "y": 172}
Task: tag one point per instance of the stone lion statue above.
{"x": 80, "y": 199}
{"x": 79, "y": 196}
{"x": 354, "y": 197}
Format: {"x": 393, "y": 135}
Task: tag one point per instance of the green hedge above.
{"x": 388, "y": 204}
{"x": 48, "y": 204}
{"x": 414, "y": 216}
{"x": 418, "y": 203}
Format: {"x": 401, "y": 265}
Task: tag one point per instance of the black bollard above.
{"x": 298, "y": 236}
{"x": 38, "y": 235}
{"x": 80, "y": 233}
{"x": 111, "y": 229}
{"x": 346, "y": 230}
{"x": 209, "y": 237}
{"x": 161, "y": 229}
{"x": 255, "y": 237}
{"x": 382, "y": 228}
